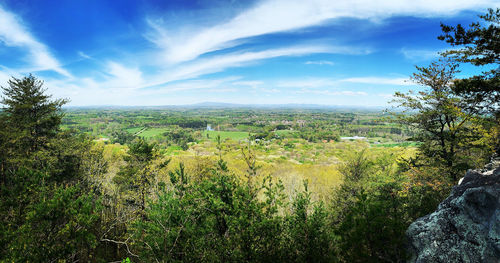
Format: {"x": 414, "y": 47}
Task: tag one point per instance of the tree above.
{"x": 48, "y": 212}
{"x": 450, "y": 137}
{"x": 137, "y": 178}
{"x": 368, "y": 212}
{"x": 481, "y": 43}
{"x": 30, "y": 113}
{"x": 61, "y": 226}
{"x": 480, "y": 46}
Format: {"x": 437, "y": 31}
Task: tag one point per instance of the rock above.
{"x": 466, "y": 225}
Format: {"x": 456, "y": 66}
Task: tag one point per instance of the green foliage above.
{"x": 307, "y": 235}
{"x": 48, "y": 210}
{"x": 320, "y": 135}
{"x": 480, "y": 42}
{"x": 221, "y": 218}
{"x": 61, "y": 226}
{"x": 480, "y": 46}
{"x": 448, "y": 132}
{"x": 137, "y": 177}
{"x": 373, "y": 227}
{"x": 370, "y": 212}
{"x": 31, "y": 114}
{"x": 122, "y": 137}
{"x": 180, "y": 137}
{"x": 60, "y": 202}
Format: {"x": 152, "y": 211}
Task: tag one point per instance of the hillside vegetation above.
{"x": 258, "y": 185}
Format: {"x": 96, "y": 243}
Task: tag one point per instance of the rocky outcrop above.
{"x": 466, "y": 226}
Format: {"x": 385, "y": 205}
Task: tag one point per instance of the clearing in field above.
{"x": 233, "y": 135}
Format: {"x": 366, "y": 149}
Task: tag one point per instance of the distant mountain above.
{"x": 285, "y": 106}
{"x": 222, "y": 105}
{"x": 214, "y": 104}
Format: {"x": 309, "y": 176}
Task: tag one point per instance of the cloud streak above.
{"x": 238, "y": 59}
{"x": 14, "y": 34}
{"x": 420, "y": 54}
{"x": 330, "y": 82}
{"x": 320, "y": 63}
{"x": 270, "y": 16}
{"x": 380, "y": 81}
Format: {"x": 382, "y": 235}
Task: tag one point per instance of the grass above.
{"x": 233, "y": 135}
{"x": 397, "y": 144}
{"x": 172, "y": 150}
{"x": 133, "y": 130}
{"x": 283, "y": 132}
{"x": 152, "y": 132}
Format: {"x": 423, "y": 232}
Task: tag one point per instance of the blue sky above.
{"x": 356, "y": 52}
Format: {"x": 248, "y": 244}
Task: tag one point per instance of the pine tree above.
{"x": 478, "y": 45}
{"x": 31, "y": 115}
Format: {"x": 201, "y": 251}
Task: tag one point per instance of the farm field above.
{"x": 233, "y": 135}
{"x": 288, "y": 144}
{"x": 152, "y": 132}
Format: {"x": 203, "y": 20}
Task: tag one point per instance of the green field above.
{"x": 233, "y": 135}
{"x": 398, "y": 144}
{"x": 283, "y": 132}
{"x": 152, "y": 132}
{"x": 134, "y": 130}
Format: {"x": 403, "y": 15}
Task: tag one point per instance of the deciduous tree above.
{"x": 445, "y": 125}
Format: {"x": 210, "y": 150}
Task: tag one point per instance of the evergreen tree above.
{"x": 30, "y": 114}
{"x": 48, "y": 213}
{"x": 479, "y": 45}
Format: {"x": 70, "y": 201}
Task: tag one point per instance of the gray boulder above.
{"x": 466, "y": 225}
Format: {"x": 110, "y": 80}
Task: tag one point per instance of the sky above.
{"x": 174, "y": 52}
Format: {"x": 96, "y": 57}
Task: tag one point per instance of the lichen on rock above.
{"x": 466, "y": 225}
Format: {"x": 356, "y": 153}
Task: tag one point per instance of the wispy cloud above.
{"x": 4, "y": 77}
{"x": 307, "y": 83}
{"x": 124, "y": 76}
{"x": 83, "y": 55}
{"x": 386, "y": 95}
{"x": 269, "y": 16}
{"x": 249, "y": 83}
{"x": 333, "y": 93}
{"x": 379, "y": 81}
{"x": 14, "y": 33}
{"x": 320, "y": 62}
{"x": 219, "y": 63}
{"x": 420, "y": 54}
{"x": 331, "y": 82}
{"x": 199, "y": 84}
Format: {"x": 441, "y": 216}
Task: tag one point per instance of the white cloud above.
{"x": 222, "y": 62}
{"x": 320, "y": 63}
{"x": 270, "y": 90}
{"x": 14, "y": 34}
{"x": 420, "y": 54}
{"x": 386, "y": 95}
{"x": 271, "y": 16}
{"x": 4, "y": 77}
{"x": 332, "y": 92}
{"x": 307, "y": 83}
{"x": 316, "y": 83}
{"x": 119, "y": 85}
{"x": 123, "y": 77}
{"x": 199, "y": 84}
{"x": 83, "y": 55}
{"x": 379, "y": 81}
{"x": 249, "y": 83}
